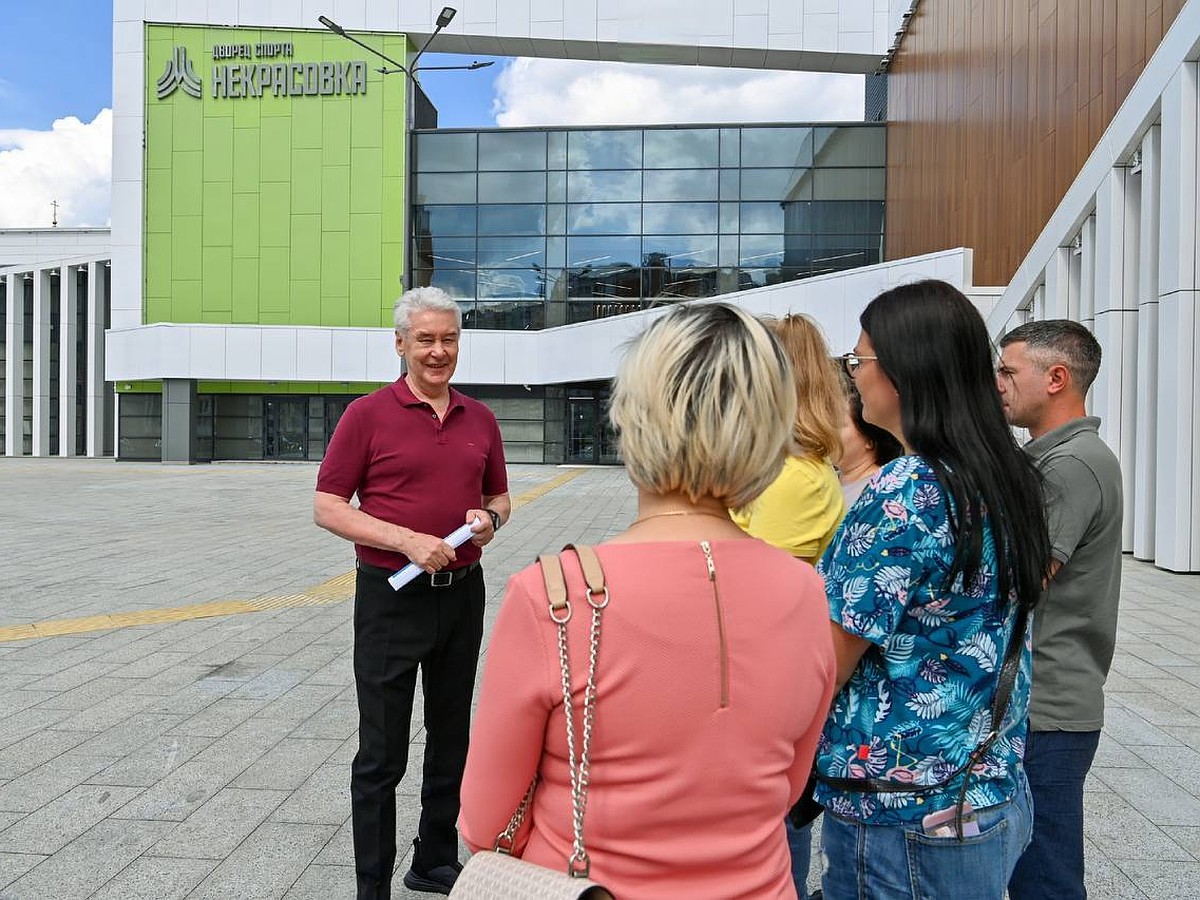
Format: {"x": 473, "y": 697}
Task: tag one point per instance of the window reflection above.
{"x": 512, "y": 252}
{"x": 680, "y": 184}
{"x": 604, "y": 149}
{"x": 681, "y": 218}
{"x": 614, "y": 187}
{"x": 456, "y": 188}
{"x": 445, "y": 252}
{"x": 777, "y": 147}
{"x": 445, "y": 152}
{"x": 513, "y": 150}
{"x": 681, "y": 148}
{"x": 512, "y": 187}
{"x": 512, "y": 219}
{"x": 639, "y": 217}
{"x": 604, "y": 218}
{"x": 444, "y": 220}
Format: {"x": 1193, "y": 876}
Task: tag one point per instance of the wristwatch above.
{"x": 495, "y": 519}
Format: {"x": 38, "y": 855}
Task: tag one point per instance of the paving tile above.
{"x": 43, "y": 784}
{"x": 179, "y": 794}
{"x": 1161, "y": 801}
{"x": 287, "y": 765}
{"x": 65, "y": 818}
{"x": 218, "y": 827}
{"x": 267, "y": 864}
{"x": 156, "y": 878}
{"x": 13, "y": 866}
{"x": 1187, "y": 837}
{"x": 1163, "y": 880}
{"x": 325, "y": 883}
{"x": 1117, "y": 829}
{"x": 219, "y": 717}
{"x": 30, "y": 752}
{"x": 300, "y": 703}
{"x": 324, "y": 798}
{"x": 337, "y": 720}
{"x": 107, "y": 713}
{"x": 22, "y": 724}
{"x": 153, "y": 761}
{"x": 130, "y": 734}
{"x": 88, "y": 862}
{"x": 1104, "y": 878}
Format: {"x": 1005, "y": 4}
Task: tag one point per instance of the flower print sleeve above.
{"x": 879, "y": 553}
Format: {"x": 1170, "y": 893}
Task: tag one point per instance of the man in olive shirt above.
{"x": 1045, "y": 371}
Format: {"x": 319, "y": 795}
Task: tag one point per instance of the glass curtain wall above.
{"x": 530, "y": 228}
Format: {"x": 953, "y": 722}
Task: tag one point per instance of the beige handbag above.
{"x": 499, "y": 874}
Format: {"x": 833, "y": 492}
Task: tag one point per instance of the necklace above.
{"x": 681, "y": 512}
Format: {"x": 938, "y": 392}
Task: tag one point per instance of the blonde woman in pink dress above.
{"x": 715, "y": 666}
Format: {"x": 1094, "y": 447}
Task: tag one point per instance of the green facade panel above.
{"x": 272, "y": 205}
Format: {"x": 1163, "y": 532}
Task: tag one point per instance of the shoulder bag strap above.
{"x": 1000, "y": 699}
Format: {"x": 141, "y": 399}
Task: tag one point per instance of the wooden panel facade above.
{"x": 993, "y": 107}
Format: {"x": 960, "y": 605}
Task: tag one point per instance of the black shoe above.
{"x": 438, "y": 880}
{"x": 818, "y": 894}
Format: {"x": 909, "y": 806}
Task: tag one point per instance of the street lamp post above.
{"x": 445, "y": 17}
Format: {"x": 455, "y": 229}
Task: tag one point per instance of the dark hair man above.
{"x": 422, "y": 459}
{"x": 1044, "y": 374}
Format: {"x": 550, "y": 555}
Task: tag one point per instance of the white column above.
{"x": 1145, "y": 466}
{"x": 95, "y": 360}
{"x": 1176, "y": 545}
{"x": 1115, "y": 268}
{"x": 68, "y": 297}
{"x": 1083, "y": 302}
{"x": 41, "y": 362}
{"x": 14, "y": 366}
{"x": 1056, "y": 297}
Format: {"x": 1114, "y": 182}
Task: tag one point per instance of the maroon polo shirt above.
{"x": 412, "y": 469}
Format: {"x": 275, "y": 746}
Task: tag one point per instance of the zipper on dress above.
{"x": 724, "y": 649}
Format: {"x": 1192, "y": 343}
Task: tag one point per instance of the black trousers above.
{"x": 438, "y": 630}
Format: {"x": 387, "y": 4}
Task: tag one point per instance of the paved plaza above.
{"x": 177, "y": 712}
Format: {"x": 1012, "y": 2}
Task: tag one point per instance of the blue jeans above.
{"x": 1057, "y": 763}
{"x": 901, "y": 862}
{"x": 800, "y": 845}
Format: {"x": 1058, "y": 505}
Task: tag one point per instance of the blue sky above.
{"x": 56, "y": 61}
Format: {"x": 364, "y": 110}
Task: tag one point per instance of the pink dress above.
{"x": 710, "y": 706}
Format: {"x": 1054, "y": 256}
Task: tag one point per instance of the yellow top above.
{"x": 800, "y": 510}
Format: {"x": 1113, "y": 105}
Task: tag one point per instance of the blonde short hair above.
{"x": 820, "y": 394}
{"x": 704, "y": 402}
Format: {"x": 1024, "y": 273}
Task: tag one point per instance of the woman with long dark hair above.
{"x": 930, "y": 582}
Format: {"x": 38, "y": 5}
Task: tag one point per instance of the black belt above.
{"x": 444, "y": 578}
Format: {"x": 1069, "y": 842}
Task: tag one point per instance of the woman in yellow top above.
{"x": 802, "y": 508}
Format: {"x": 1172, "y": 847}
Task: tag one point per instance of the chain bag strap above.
{"x": 501, "y": 874}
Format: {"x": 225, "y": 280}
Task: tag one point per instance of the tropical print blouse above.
{"x": 920, "y": 699}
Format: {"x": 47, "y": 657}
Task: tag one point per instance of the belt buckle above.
{"x": 441, "y": 579}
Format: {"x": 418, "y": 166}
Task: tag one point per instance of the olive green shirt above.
{"x": 1075, "y": 624}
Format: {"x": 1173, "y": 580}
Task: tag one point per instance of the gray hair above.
{"x": 1060, "y": 341}
{"x": 421, "y": 299}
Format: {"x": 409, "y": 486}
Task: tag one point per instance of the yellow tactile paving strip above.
{"x": 335, "y": 590}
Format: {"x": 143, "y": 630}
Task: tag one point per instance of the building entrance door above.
{"x": 590, "y": 438}
{"x": 285, "y": 428}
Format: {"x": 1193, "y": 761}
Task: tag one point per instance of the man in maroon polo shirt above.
{"x": 422, "y": 459}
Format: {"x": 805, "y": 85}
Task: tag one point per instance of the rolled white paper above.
{"x": 456, "y": 538}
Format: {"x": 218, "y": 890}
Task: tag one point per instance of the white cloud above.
{"x": 70, "y": 163}
{"x": 570, "y": 92}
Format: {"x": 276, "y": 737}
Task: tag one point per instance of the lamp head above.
{"x": 332, "y": 25}
{"x": 446, "y": 16}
